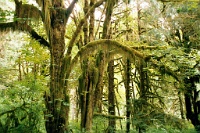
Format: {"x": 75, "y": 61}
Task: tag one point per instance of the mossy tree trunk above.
{"x": 87, "y": 84}
{"x": 111, "y": 97}
{"x": 83, "y": 79}
{"x": 107, "y": 29}
{"x": 58, "y": 100}
{"x": 99, "y": 88}
{"x": 128, "y": 93}
{"x": 127, "y": 77}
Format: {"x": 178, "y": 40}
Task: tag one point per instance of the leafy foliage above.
{"x": 22, "y": 107}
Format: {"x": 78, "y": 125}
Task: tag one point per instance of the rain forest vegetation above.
{"x": 100, "y": 66}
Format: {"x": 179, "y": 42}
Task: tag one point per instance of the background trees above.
{"x": 136, "y": 61}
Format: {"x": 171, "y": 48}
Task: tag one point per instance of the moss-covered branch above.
{"x": 25, "y": 28}
{"x": 109, "y": 116}
{"x": 148, "y": 47}
{"x": 26, "y": 12}
{"x": 36, "y": 36}
{"x": 106, "y": 44}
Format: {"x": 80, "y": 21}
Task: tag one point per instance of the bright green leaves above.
{"x": 21, "y": 103}
{"x": 22, "y": 100}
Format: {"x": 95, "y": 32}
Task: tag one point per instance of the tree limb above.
{"x": 12, "y": 110}
{"x": 70, "y": 9}
{"x": 37, "y": 37}
{"x": 143, "y": 47}
{"x": 106, "y": 44}
{"x": 25, "y": 28}
{"x": 109, "y": 116}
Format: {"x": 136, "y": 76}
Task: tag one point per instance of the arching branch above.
{"x": 106, "y": 44}
{"x": 23, "y": 12}
{"x": 25, "y": 28}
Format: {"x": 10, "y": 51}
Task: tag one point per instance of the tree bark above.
{"x": 111, "y": 92}
{"x": 57, "y": 102}
{"x": 87, "y": 91}
{"x": 111, "y": 97}
{"x": 128, "y": 94}
{"x": 99, "y": 88}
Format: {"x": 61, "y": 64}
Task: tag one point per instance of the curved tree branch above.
{"x": 106, "y": 44}
{"x": 25, "y": 28}
{"x": 36, "y": 36}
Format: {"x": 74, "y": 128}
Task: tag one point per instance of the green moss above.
{"x": 95, "y": 76}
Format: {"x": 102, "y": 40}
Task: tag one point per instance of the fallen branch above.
{"x": 109, "y": 116}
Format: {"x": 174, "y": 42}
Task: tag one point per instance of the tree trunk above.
{"x": 57, "y": 102}
{"x": 111, "y": 96}
{"x": 88, "y": 85}
{"x": 128, "y": 99}
{"x": 111, "y": 92}
{"x": 181, "y": 105}
{"x": 142, "y": 86}
{"x": 127, "y": 78}
{"x": 191, "y": 103}
{"x": 99, "y": 88}
{"x": 143, "y": 77}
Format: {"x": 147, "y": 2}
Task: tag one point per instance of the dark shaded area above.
{"x": 191, "y": 103}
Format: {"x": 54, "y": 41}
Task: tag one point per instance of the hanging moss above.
{"x": 47, "y": 19}
{"x": 46, "y": 14}
{"x": 99, "y": 58}
{"x": 112, "y": 44}
{"x": 106, "y": 44}
{"x": 81, "y": 83}
{"x": 27, "y": 12}
{"x": 95, "y": 76}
